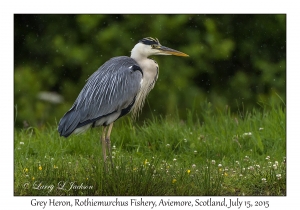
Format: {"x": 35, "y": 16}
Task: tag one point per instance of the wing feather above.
{"x": 110, "y": 89}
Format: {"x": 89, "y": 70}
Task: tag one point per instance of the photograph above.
{"x": 149, "y": 105}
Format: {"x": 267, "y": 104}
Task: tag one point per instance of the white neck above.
{"x": 140, "y": 52}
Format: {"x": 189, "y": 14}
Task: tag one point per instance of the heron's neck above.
{"x": 138, "y": 53}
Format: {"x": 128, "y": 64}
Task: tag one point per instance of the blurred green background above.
{"x": 235, "y": 60}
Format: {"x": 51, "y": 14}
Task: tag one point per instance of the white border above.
{"x": 8, "y": 8}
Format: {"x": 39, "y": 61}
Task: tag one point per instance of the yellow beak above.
{"x": 168, "y": 51}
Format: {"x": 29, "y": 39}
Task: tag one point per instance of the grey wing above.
{"x": 110, "y": 91}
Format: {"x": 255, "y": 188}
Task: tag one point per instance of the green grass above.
{"x": 213, "y": 153}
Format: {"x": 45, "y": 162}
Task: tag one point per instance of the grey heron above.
{"x": 118, "y": 87}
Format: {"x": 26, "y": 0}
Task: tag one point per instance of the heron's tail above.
{"x": 68, "y": 123}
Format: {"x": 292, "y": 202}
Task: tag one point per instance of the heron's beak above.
{"x": 168, "y": 51}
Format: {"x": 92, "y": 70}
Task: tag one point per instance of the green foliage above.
{"x": 212, "y": 154}
{"x": 234, "y": 59}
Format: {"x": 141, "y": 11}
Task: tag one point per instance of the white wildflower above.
{"x": 247, "y": 134}
{"x": 251, "y": 168}
{"x": 278, "y": 176}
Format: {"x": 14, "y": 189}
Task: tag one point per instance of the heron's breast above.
{"x": 150, "y": 74}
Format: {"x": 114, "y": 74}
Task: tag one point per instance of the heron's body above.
{"x": 119, "y": 86}
{"x": 99, "y": 104}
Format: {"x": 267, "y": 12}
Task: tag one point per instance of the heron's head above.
{"x": 150, "y": 46}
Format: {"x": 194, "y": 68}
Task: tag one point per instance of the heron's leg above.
{"x": 103, "y": 144}
{"x": 108, "y": 142}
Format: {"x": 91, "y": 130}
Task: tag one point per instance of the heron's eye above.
{"x": 153, "y": 46}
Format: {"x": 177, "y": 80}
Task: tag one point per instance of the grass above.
{"x": 214, "y": 153}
